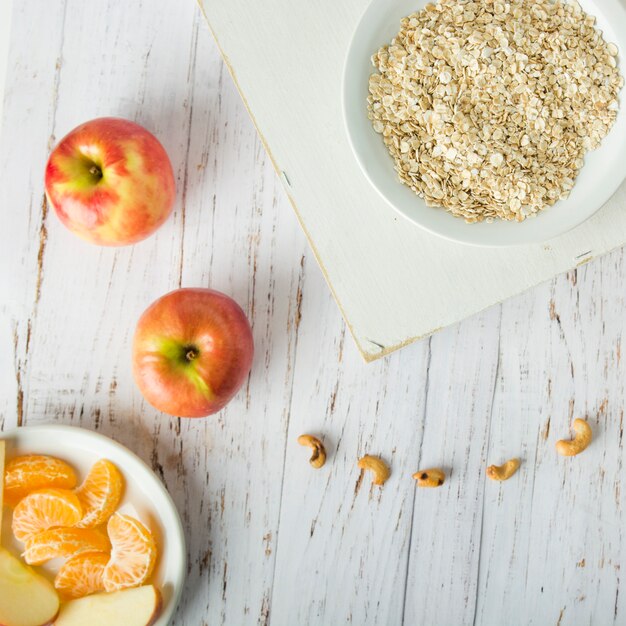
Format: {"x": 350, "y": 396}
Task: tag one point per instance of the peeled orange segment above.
{"x": 100, "y": 494}
{"x": 64, "y": 542}
{"x": 133, "y": 553}
{"x": 2, "y": 457}
{"x": 25, "y": 474}
{"x": 82, "y": 574}
{"x": 43, "y": 509}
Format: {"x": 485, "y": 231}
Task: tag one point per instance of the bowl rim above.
{"x": 146, "y": 472}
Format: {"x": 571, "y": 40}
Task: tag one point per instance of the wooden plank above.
{"x": 343, "y": 542}
{"x": 5, "y": 38}
{"x": 552, "y": 548}
{"x": 393, "y": 281}
{"x": 239, "y": 237}
{"x": 446, "y": 533}
{"x": 30, "y": 97}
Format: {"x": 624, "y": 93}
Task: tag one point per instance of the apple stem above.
{"x": 95, "y": 171}
{"x": 191, "y": 355}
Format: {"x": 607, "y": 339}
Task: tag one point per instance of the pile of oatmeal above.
{"x": 488, "y": 107}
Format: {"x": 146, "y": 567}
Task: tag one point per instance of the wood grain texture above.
{"x": 270, "y": 540}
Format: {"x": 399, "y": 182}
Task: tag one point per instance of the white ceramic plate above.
{"x": 602, "y": 174}
{"x": 144, "y": 496}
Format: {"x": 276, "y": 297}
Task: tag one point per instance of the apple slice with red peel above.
{"x": 26, "y": 598}
{"x": 139, "y": 606}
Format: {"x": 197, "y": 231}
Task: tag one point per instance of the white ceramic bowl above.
{"x": 602, "y": 174}
{"x": 144, "y": 496}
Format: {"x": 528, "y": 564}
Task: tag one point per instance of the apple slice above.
{"x": 26, "y": 598}
{"x": 131, "y": 607}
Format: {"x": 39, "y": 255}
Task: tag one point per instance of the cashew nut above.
{"x": 377, "y": 466}
{"x": 430, "y": 477}
{"x": 580, "y": 441}
{"x": 504, "y": 471}
{"x": 318, "y": 458}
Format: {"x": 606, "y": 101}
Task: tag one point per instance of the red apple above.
{"x": 192, "y": 351}
{"x": 110, "y": 181}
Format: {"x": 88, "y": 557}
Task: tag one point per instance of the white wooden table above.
{"x": 270, "y": 540}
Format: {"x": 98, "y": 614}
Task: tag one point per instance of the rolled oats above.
{"x": 488, "y": 107}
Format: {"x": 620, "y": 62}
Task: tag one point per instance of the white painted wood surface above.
{"x": 270, "y": 540}
{"x": 394, "y": 282}
{"x": 5, "y": 34}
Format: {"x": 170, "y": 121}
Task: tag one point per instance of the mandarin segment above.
{"x": 2, "y": 458}
{"x": 133, "y": 553}
{"x": 100, "y": 493}
{"x": 43, "y": 509}
{"x": 25, "y": 474}
{"x": 82, "y": 574}
{"x": 63, "y": 542}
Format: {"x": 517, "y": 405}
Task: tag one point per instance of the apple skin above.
{"x": 110, "y": 182}
{"x": 192, "y": 351}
